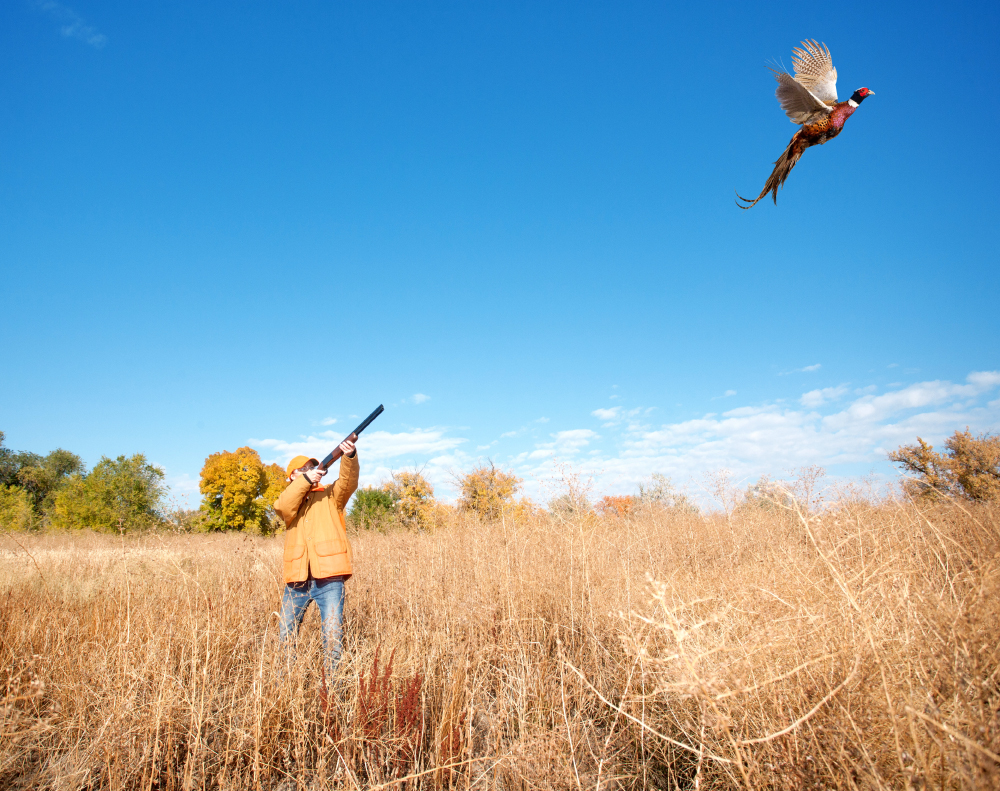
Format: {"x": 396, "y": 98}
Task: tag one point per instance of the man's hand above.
{"x": 314, "y": 475}
{"x": 348, "y": 448}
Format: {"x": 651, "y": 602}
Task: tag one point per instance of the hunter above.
{"x": 317, "y": 560}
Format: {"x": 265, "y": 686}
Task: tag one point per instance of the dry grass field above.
{"x": 856, "y": 647}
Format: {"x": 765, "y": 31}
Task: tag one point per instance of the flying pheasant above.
{"x": 810, "y": 99}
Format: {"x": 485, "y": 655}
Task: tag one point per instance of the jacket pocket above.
{"x": 294, "y": 552}
{"x": 327, "y": 548}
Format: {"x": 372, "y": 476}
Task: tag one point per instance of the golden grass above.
{"x": 856, "y": 648}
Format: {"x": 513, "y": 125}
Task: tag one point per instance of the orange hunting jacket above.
{"x": 316, "y": 534}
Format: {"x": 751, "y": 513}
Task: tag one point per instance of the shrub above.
{"x": 414, "y": 500}
{"x": 969, "y": 467}
{"x": 487, "y": 491}
{"x": 119, "y": 494}
{"x": 660, "y": 492}
{"x": 615, "y": 505}
{"x": 238, "y": 491}
{"x": 767, "y": 495}
{"x": 373, "y": 508}
{"x": 15, "y": 508}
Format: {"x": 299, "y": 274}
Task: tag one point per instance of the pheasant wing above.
{"x": 798, "y": 102}
{"x": 814, "y": 69}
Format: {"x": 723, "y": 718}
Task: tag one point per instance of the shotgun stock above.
{"x": 336, "y": 453}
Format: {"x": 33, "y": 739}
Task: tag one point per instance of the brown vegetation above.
{"x": 969, "y": 468}
{"x": 852, "y": 647}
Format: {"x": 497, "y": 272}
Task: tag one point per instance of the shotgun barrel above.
{"x": 336, "y": 453}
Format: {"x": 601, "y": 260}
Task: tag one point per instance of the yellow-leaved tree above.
{"x": 969, "y": 468}
{"x": 414, "y": 496}
{"x": 238, "y": 491}
{"x": 487, "y": 491}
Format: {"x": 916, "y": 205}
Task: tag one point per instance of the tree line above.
{"x": 125, "y": 493}
{"x": 238, "y": 491}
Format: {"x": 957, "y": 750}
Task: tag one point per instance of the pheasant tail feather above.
{"x": 781, "y": 170}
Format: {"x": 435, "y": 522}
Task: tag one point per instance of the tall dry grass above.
{"x": 853, "y": 648}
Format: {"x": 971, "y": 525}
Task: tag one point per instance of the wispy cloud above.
{"x": 842, "y": 428}
{"x": 374, "y": 444}
{"x": 772, "y": 438}
{"x": 420, "y": 398}
{"x": 381, "y": 452}
{"x": 71, "y": 24}
{"x": 815, "y": 398}
{"x": 808, "y": 369}
{"x": 564, "y": 444}
{"x": 328, "y": 421}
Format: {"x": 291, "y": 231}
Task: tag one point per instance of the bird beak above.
{"x": 871, "y": 92}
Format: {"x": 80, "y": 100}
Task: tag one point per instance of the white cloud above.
{"x": 574, "y": 438}
{"x": 815, "y": 398}
{"x": 805, "y": 369}
{"x": 328, "y": 421}
{"x": 376, "y": 445}
{"x": 564, "y": 443}
{"x": 419, "y": 398}
{"x": 606, "y": 414}
{"x": 773, "y": 438}
{"x": 984, "y": 380}
{"x": 542, "y": 420}
{"x": 183, "y": 489}
{"x": 71, "y": 24}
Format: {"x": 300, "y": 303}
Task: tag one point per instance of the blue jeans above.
{"x": 329, "y": 596}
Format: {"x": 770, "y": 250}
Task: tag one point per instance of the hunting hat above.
{"x": 298, "y": 461}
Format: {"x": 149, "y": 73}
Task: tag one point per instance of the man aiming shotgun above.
{"x": 317, "y": 559}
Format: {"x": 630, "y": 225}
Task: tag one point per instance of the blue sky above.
{"x": 513, "y": 223}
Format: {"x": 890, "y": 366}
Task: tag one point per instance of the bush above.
{"x": 415, "y": 505}
{"x": 373, "y": 508}
{"x": 15, "y": 508}
{"x": 239, "y": 490}
{"x": 767, "y": 495}
{"x": 969, "y": 468}
{"x": 487, "y": 491}
{"x": 660, "y": 492}
{"x": 121, "y": 494}
{"x": 615, "y": 505}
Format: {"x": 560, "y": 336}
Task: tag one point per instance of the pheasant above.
{"x": 810, "y": 99}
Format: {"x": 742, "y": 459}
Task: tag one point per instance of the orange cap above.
{"x": 298, "y": 461}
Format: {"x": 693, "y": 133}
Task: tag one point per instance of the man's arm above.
{"x": 288, "y": 502}
{"x": 347, "y": 482}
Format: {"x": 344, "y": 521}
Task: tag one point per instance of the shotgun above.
{"x": 336, "y": 453}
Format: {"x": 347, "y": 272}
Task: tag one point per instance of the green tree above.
{"x": 42, "y": 477}
{"x": 487, "y": 491}
{"x": 39, "y": 477}
{"x": 119, "y": 494}
{"x": 8, "y": 467}
{"x": 373, "y": 508}
{"x": 238, "y": 491}
{"x": 969, "y": 467}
